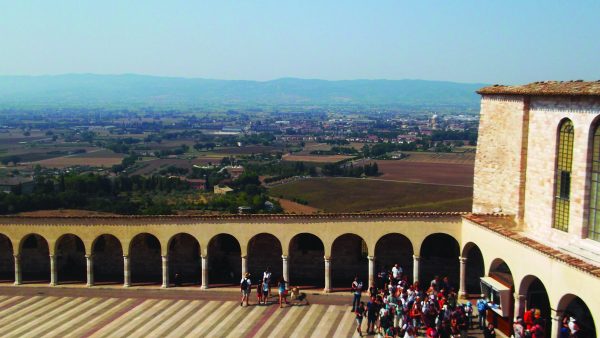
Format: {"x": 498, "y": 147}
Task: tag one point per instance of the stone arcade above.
{"x": 534, "y": 231}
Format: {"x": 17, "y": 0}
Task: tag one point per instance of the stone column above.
{"x": 53, "y": 276}
{"x": 463, "y": 277}
{"x": 327, "y": 274}
{"x": 371, "y": 270}
{"x": 204, "y": 285}
{"x": 555, "y": 323}
{"x": 286, "y": 272}
{"x": 126, "y": 272}
{"x": 519, "y": 305}
{"x": 416, "y": 260}
{"x": 89, "y": 260}
{"x": 244, "y": 265}
{"x": 18, "y": 279}
{"x": 165, "y": 272}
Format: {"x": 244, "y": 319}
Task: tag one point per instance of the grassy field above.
{"x": 315, "y": 158}
{"x": 425, "y": 172}
{"x": 356, "y": 195}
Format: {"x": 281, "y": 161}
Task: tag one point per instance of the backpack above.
{"x": 244, "y": 284}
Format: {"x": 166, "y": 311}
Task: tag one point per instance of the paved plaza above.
{"x": 38, "y": 311}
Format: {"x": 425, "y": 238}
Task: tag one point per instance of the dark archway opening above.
{"x": 145, "y": 260}
{"x": 537, "y": 298}
{"x": 35, "y": 259}
{"x": 224, "y": 260}
{"x": 107, "y": 253}
{"x": 439, "y": 257}
{"x": 7, "y": 260}
{"x": 264, "y": 250}
{"x": 394, "y": 249}
{"x": 306, "y": 261}
{"x": 184, "y": 260}
{"x": 349, "y": 259}
{"x": 70, "y": 260}
{"x": 475, "y": 269}
{"x": 575, "y": 307}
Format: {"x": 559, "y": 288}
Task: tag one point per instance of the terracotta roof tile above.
{"x": 546, "y": 88}
{"x": 486, "y": 221}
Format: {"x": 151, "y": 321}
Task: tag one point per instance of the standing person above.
{"x": 518, "y": 328}
{"x": 259, "y": 292}
{"x": 357, "y": 287}
{"x": 282, "y": 292}
{"x": 489, "y": 331}
{"x": 265, "y": 290}
{"x": 360, "y": 313}
{"x": 396, "y": 273}
{"x": 246, "y": 287}
{"x": 481, "y": 308}
{"x": 267, "y": 277}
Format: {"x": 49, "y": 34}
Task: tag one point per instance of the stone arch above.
{"x": 145, "y": 260}
{"x": 348, "y": 259}
{"x": 69, "y": 252}
{"x": 475, "y": 267}
{"x": 591, "y": 203}
{"x": 306, "y": 265}
{"x": 571, "y": 305}
{"x": 34, "y": 256}
{"x": 7, "y": 259}
{"x": 264, "y": 250}
{"x": 224, "y": 259}
{"x": 184, "y": 259}
{"x": 439, "y": 257}
{"x": 107, "y": 253}
{"x": 394, "y": 248}
{"x": 536, "y": 297}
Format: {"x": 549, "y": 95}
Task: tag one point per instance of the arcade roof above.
{"x": 546, "y": 88}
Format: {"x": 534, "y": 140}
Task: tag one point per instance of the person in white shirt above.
{"x": 267, "y": 276}
{"x": 396, "y": 273}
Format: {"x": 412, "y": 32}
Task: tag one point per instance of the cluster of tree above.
{"x": 379, "y": 149}
{"x": 333, "y": 169}
{"x": 174, "y": 170}
{"x": 248, "y": 192}
{"x": 207, "y": 146}
{"x": 336, "y": 151}
{"x": 265, "y": 139}
{"x": 123, "y": 194}
{"x": 14, "y": 159}
{"x": 126, "y": 162}
{"x": 182, "y": 149}
{"x": 445, "y": 135}
{"x": 120, "y": 145}
{"x": 335, "y": 142}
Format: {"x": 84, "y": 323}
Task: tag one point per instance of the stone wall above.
{"x": 546, "y": 115}
{"x": 500, "y": 150}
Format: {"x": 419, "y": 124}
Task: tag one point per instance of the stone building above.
{"x": 532, "y": 241}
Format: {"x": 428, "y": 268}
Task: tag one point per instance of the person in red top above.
{"x": 528, "y": 318}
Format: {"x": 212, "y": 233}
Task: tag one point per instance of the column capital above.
{"x": 126, "y": 256}
{"x": 17, "y": 256}
{"x": 89, "y": 256}
{"x": 416, "y": 257}
{"x": 520, "y": 297}
{"x": 463, "y": 260}
{"x": 370, "y": 258}
{"x": 204, "y": 256}
{"x": 165, "y": 256}
{"x": 327, "y": 258}
{"x": 284, "y": 257}
{"x": 52, "y": 255}
{"x": 244, "y": 256}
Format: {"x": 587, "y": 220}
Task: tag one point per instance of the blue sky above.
{"x": 464, "y": 41}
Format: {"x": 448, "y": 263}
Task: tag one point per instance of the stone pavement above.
{"x": 35, "y": 311}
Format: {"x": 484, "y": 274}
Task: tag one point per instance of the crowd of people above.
{"x": 397, "y": 308}
{"x": 263, "y": 290}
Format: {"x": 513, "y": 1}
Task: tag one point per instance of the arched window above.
{"x": 594, "y": 184}
{"x": 562, "y": 188}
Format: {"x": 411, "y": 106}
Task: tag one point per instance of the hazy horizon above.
{"x": 507, "y": 42}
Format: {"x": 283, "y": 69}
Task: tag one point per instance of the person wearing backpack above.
{"x": 245, "y": 287}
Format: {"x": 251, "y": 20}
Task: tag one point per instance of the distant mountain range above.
{"x": 134, "y": 91}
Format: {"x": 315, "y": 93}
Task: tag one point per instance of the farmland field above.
{"x": 245, "y": 150}
{"x": 101, "y": 158}
{"x": 315, "y": 158}
{"x": 153, "y": 166}
{"x": 426, "y": 172}
{"x": 358, "y": 195}
{"x": 455, "y": 158}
